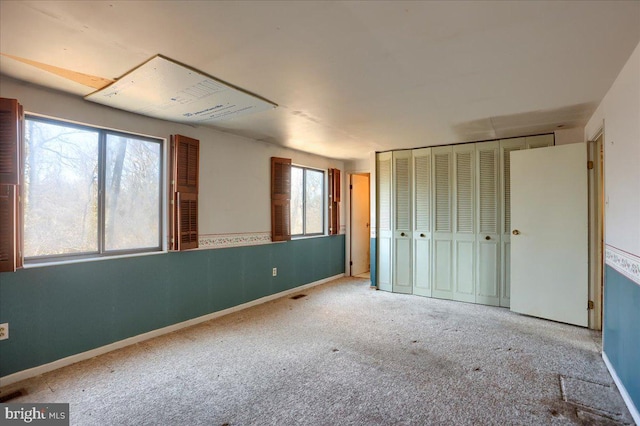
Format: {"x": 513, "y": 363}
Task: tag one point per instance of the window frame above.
{"x": 304, "y": 202}
{"x": 102, "y": 252}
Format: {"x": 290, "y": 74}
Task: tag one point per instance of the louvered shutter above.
{"x": 402, "y": 193}
{"x": 280, "y": 199}
{"x": 334, "y": 200}
{"x": 464, "y": 192}
{"x": 507, "y": 187}
{"x": 442, "y": 192}
{"x": 187, "y": 220}
{"x": 384, "y": 188}
{"x": 9, "y": 148}
{"x": 423, "y": 192}
{"x": 11, "y": 131}
{"x": 185, "y": 157}
{"x": 488, "y": 193}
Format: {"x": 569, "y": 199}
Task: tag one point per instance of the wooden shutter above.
{"x": 11, "y": 132}
{"x": 336, "y": 187}
{"x": 334, "y": 200}
{"x": 185, "y": 158}
{"x": 187, "y": 221}
{"x": 280, "y": 199}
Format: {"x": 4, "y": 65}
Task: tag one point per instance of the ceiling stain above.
{"x": 527, "y": 123}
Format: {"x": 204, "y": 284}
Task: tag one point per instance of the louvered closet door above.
{"x": 401, "y": 214}
{"x": 488, "y": 235}
{"x": 384, "y": 233}
{"x": 422, "y": 222}
{"x": 442, "y": 202}
{"x": 464, "y": 235}
{"x": 506, "y": 147}
{"x": 540, "y": 141}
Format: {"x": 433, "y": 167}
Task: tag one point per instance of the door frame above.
{"x": 596, "y": 229}
{"x": 351, "y": 227}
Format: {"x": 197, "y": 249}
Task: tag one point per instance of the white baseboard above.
{"x": 623, "y": 391}
{"x": 45, "y": 368}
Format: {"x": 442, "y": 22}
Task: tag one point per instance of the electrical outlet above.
{"x": 275, "y": 272}
{"x": 4, "y": 331}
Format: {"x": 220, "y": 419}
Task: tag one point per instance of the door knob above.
{"x": 487, "y": 238}
{"x": 402, "y": 234}
{"x": 422, "y": 235}
{"x": 516, "y": 232}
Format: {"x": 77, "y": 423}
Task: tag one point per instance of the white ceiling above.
{"x": 350, "y": 77}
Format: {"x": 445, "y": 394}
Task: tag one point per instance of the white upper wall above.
{"x": 566, "y": 136}
{"x": 234, "y": 171}
{"x": 619, "y": 113}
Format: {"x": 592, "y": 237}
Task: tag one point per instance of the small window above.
{"x": 307, "y": 201}
{"x": 90, "y": 191}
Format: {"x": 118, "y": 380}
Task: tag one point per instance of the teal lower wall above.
{"x": 621, "y": 329}
{"x": 57, "y": 311}
{"x": 373, "y": 261}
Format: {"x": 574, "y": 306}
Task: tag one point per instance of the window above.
{"x": 90, "y": 191}
{"x": 307, "y": 201}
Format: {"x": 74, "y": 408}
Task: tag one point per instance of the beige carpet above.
{"x": 346, "y": 354}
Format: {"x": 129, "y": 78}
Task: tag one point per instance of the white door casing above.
{"x": 549, "y": 245}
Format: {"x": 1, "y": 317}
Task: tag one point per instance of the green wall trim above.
{"x": 373, "y": 259}
{"x": 58, "y": 311}
{"x": 621, "y": 329}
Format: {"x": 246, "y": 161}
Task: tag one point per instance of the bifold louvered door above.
{"x": 507, "y": 146}
{"x": 464, "y": 235}
{"x": 384, "y": 232}
{"x": 444, "y": 222}
{"x": 402, "y": 230}
{"x": 488, "y": 222}
{"x": 539, "y": 141}
{"x": 422, "y": 221}
{"x": 442, "y": 247}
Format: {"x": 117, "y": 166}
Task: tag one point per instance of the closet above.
{"x": 443, "y": 227}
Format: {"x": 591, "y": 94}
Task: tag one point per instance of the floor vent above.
{"x": 298, "y": 296}
{"x": 591, "y": 399}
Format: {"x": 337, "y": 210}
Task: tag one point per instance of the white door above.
{"x": 384, "y": 237}
{"x": 549, "y": 242}
{"x": 422, "y": 222}
{"x": 488, "y": 234}
{"x": 507, "y": 146}
{"x": 442, "y": 223}
{"x": 401, "y": 213}
{"x": 464, "y": 235}
{"x": 359, "y": 224}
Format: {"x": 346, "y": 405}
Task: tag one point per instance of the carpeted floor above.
{"x": 346, "y": 354}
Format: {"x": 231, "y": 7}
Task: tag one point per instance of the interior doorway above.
{"x": 596, "y": 230}
{"x": 360, "y": 224}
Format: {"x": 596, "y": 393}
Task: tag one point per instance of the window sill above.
{"x": 41, "y": 264}
{"x": 306, "y": 237}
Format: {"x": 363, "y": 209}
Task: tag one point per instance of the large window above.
{"x": 89, "y": 191}
{"x": 307, "y": 201}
